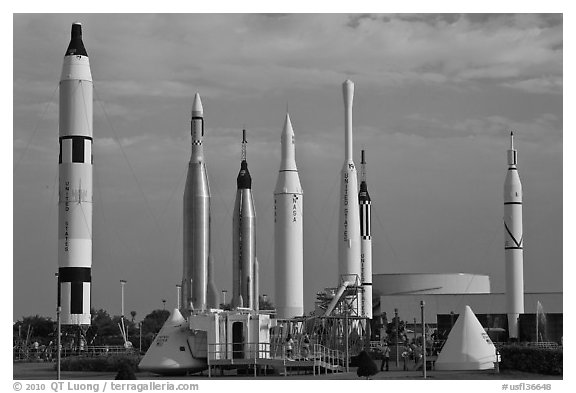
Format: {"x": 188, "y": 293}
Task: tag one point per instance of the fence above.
{"x": 49, "y": 354}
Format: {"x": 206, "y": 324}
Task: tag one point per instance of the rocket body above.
{"x": 349, "y": 224}
{"x": 256, "y": 295}
{"x": 196, "y": 232}
{"x": 513, "y": 242}
{"x": 243, "y": 241}
{"x": 365, "y": 245}
{"x": 75, "y": 166}
{"x": 288, "y": 231}
{"x": 212, "y": 299}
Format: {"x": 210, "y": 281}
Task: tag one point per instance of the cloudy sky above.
{"x": 436, "y": 97}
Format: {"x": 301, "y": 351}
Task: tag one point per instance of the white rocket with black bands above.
{"x": 365, "y": 243}
{"x": 244, "y": 263}
{"x": 349, "y": 225}
{"x": 513, "y": 242}
{"x": 75, "y": 183}
{"x": 196, "y": 236}
{"x": 288, "y": 231}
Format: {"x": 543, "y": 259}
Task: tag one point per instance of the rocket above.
{"x": 513, "y": 242}
{"x": 288, "y": 231}
{"x": 75, "y": 164}
{"x": 365, "y": 243}
{"x": 349, "y": 224}
{"x": 212, "y": 297}
{"x": 196, "y": 233}
{"x": 244, "y": 238}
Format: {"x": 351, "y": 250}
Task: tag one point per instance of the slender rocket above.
{"x": 244, "y": 238}
{"x": 196, "y": 240}
{"x": 75, "y": 183}
{"x": 365, "y": 243}
{"x": 349, "y": 225}
{"x": 288, "y": 231}
{"x": 513, "y": 242}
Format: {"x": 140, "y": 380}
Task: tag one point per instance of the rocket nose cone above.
{"x": 348, "y": 90}
{"x": 244, "y": 180}
{"x": 197, "y": 109}
{"x": 348, "y": 85}
{"x": 76, "y": 30}
{"x": 288, "y": 125}
{"x": 76, "y": 46}
{"x": 363, "y": 194}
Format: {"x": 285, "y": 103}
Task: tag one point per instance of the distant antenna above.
{"x": 363, "y": 168}
{"x": 244, "y": 142}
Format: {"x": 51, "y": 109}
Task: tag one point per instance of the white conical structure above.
{"x": 170, "y": 351}
{"x": 288, "y": 231}
{"x": 468, "y": 346}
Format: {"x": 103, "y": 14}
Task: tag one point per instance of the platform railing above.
{"x": 327, "y": 358}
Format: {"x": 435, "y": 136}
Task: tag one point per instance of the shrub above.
{"x": 530, "y": 359}
{"x": 366, "y": 366}
{"x": 100, "y": 363}
{"x": 125, "y": 371}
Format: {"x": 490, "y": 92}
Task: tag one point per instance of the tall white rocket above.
{"x": 196, "y": 220}
{"x": 513, "y": 242}
{"x": 349, "y": 227}
{"x": 75, "y": 183}
{"x": 288, "y": 231}
{"x": 365, "y": 243}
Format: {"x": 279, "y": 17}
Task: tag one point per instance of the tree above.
{"x": 151, "y": 325}
{"x": 154, "y": 321}
{"x": 391, "y": 329}
{"x": 133, "y": 314}
{"x": 366, "y": 366}
{"x": 103, "y": 330}
{"x": 41, "y": 329}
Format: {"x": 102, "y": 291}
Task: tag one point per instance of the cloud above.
{"x": 543, "y": 85}
{"x": 171, "y": 55}
{"x": 542, "y": 127}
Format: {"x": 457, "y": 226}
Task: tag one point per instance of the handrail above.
{"x": 255, "y": 353}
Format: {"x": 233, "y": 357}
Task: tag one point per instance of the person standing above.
{"x": 306, "y": 347}
{"x": 289, "y": 346}
{"x": 385, "y": 357}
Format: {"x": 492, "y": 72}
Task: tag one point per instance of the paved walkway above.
{"x": 36, "y": 371}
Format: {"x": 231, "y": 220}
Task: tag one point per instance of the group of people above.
{"x": 304, "y": 347}
{"x": 410, "y": 352}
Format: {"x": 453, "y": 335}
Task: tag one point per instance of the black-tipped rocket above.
{"x": 365, "y": 243}
{"x": 244, "y": 238}
{"x": 349, "y": 224}
{"x": 288, "y": 231}
{"x": 196, "y": 234}
{"x": 75, "y": 183}
{"x": 513, "y": 242}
